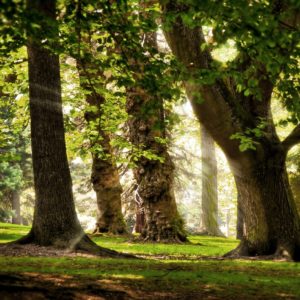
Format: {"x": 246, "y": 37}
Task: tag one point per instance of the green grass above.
{"x": 227, "y": 279}
{"x": 200, "y": 245}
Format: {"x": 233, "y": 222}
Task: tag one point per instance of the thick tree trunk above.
{"x": 55, "y": 221}
{"x": 209, "y": 207}
{"x": 16, "y": 206}
{"x": 271, "y": 222}
{"x": 154, "y": 178}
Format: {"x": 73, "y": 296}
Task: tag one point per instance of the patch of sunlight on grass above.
{"x": 11, "y": 232}
{"x": 200, "y": 245}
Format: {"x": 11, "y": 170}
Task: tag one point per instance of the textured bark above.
{"x": 209, "y": 206}
{"x": 240, "y": 219}
{"x": 105, "y": 176}
{"x": 154, "y": 178}
{"x": 268, "y": 209}
{"x": 16, "y": 206}
{"x": 105, "y": 179}
{"x": 271, "y": 220}
{"x": 140, "y": 219}
{"x": 55, "y": 221}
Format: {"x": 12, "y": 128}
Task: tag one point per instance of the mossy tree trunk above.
{"x": 154, "y": 178}
{"x": 209, "y": 203}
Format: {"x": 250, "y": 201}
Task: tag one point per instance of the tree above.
{"x": 233, "y": 103}
{"x": 209, "y": 207}
{"x": 14, "y": 142}
{"x": 154, "y": 173}
{"x": 55, "y": 222}
{"x": 105, "y": 176}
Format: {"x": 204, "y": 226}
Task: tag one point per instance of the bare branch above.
{"x": 292, "y": 139}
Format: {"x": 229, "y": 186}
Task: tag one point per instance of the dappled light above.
{"x": 149, "y": 149}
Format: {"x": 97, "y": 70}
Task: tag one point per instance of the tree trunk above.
{"x": 106, "y": 183}
{"x": 209, "y": 216}
{"x": 140, "y": 219}
{"x": 55, "y": 221}
{"x": 154, "y": 178}
{"x": 268, "y": 209}
{"x": 16, "y": 206}
{"x": 105, "y": 177}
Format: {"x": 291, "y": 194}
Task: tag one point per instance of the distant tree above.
{"x": 209, "y": 207}
{"x": 233, "y": 102}
{"x": 105, "y": 177}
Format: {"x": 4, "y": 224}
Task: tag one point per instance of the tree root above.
{"x": 87, "y": 245}
{"x": 83, "y": 243}
{"x": 286, "y": 253}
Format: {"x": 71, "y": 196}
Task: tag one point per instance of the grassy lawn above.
{"x": 174, "y": 277}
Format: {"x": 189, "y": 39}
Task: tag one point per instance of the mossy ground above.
{"x": 170, "y": 271}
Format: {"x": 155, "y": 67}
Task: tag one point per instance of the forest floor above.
{"x": 188, "y": 271}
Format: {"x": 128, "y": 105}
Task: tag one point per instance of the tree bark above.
{"x": 154, "y": 178}
{"x": 268, "y": 209}
{"x": 240, "y": 219}
{"x": 209, "y": 207}
{"x": 271, "y": 220}
{"x": 106, "y": 183}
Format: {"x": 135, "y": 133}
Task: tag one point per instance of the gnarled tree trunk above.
{"x": 209, "y": 206}
{"x": 154, "y": 178}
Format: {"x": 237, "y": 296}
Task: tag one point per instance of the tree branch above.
{"x": 292, "y": 139}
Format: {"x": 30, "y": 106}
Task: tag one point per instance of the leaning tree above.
{"x": 233, "y": 102}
